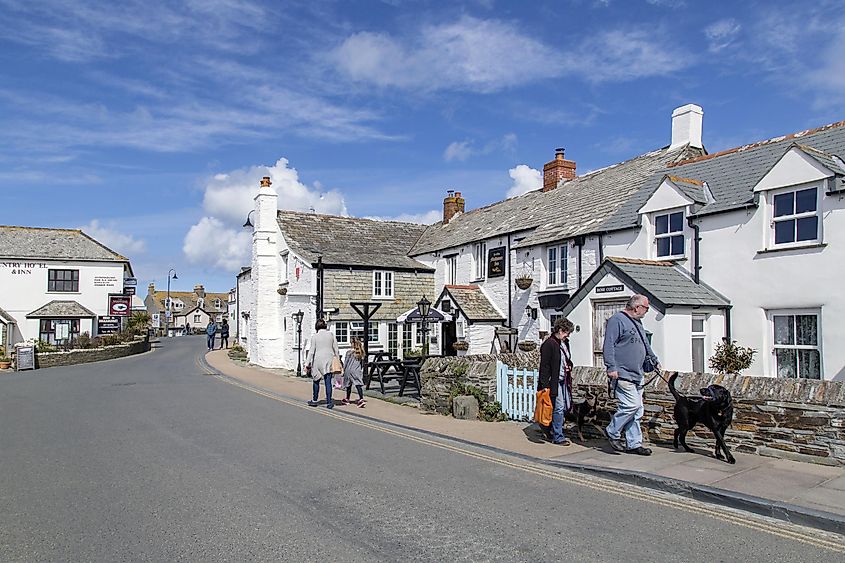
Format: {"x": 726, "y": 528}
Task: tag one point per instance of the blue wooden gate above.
{"x": 516, "y": 390}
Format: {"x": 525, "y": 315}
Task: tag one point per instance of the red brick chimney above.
{"x": 450, "y": 206}
{"x": 557, "y": 170}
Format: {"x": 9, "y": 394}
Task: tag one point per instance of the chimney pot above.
{"x": 686, "y": 126}
{"x": 265, "y": 182}
{"x": 557, "y": 170}
{"x": 450, "y": 206}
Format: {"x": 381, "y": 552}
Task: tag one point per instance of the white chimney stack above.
{"x": 686, "y": 126}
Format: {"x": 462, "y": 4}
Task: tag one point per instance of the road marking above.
{"x": 595, "y": 483}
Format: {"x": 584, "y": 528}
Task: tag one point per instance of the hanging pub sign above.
{"x": 108, "y": 325}
{"x": 496, "y": 262}
{"x": 120, "y": 305}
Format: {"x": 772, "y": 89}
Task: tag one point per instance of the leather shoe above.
{"x": 616, "y": 443}
{"x": 639, "y": 451}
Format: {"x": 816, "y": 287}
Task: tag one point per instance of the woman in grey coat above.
{"x": 323, "y": 350}
{"x": 353, "y": 372}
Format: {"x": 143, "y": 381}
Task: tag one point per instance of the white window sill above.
{"x": 479, "y": 280}
{"x": 554, "y": 288}
{"x": 679, "y": 258}
{"x": 389, "y": 298}
{"x": 64, "y": 293}
{"x": 785, "y": 247}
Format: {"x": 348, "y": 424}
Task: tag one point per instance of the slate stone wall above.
{"x": 800, "y": 420}
{"x": 84, "y": 356}
{"x": 343, "y": 286}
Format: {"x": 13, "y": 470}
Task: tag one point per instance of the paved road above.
{"x": 149, "y": 458}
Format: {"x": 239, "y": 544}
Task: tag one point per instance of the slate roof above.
{"x": 472, "y": 302}
{"x": 665, "y": 284}
{"x": 823, "y": 158}
{"x": 5, "y": 318}
{"x": 61, "y": 309}
{"x": 351, "y": 241}
{"x": 732, "y": 174}
{"x": 690, "y": 187}
{"x": 574, "y": 207}
{"x": 53, "y": 244}
{"x": 191, "y": 300}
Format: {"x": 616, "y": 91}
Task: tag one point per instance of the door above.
{"x": 450, "y": 336}
{"x": 603, "y": 310}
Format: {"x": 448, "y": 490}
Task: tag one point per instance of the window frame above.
{"x": 560, "y": 270}
{"x": 383, "y": 280}
{"x": 393, "y": 339}
{"x": 450, "y": 273}
{"x": 771, "y": 232}
{"x": 770, "y": 317}
{"x": 698, "y": 337}
{"x": 345, "y": 337}
{"x": 49, "y": 335}
{"x": 53, "y": 281}
{"x": 669, "y": 234}
{"x": 479, "y": 261}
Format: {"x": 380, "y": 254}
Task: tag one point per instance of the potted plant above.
{"x": 524, "y": 281}
{"x": 527, "y": 345}
{"x": 5, "y": 362}
{"x": 461, "y": 345}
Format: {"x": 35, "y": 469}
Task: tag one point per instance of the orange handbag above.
{"x": 543, "y": 409}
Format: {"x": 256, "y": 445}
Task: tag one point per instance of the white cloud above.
{"x": 227, "y": 201}
{"x": 111, "y": 236}
{"x": 621, "y": 55}
{"x": 424, "y": 218}
{"x": 210, "y": 242}
{"x": 458, "y": 151}
{"x": 525, "y": 179}
{"x": 721, "y": 34}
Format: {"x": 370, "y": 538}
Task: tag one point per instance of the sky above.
{"x": 149, "y": 123}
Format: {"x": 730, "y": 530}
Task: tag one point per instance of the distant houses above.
{"x": 742, "y": 244}
{"x": 190, "y": 310}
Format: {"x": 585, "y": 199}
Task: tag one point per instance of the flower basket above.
{"x": 5, "y": 363}
{"x": 461, "y": 345}
{"x": 527, "y": 345}
{"x": 524, "y": 282}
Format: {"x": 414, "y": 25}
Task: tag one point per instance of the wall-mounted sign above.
{"x": 156, "y": 320}
{"x": 105, "y": 281}
{"x": 129, "y": 291}
{"x": 108, "y": 325}
{"x": 610, "y": 288}
{"x": 120, "y": 305}
{"x": 22, "y": 268}
{"x": 130, "y": 282}
{"x": 496, "y": 262}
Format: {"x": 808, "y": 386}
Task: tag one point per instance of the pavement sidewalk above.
{"x": 814, "y": 494}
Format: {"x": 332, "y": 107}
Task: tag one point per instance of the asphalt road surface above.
{"x": 150, "y": 458}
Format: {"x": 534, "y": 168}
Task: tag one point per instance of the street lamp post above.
{"x": 298, "y": 318}
{"x": 168, "y": 312}
{"x": 424, "y": 306}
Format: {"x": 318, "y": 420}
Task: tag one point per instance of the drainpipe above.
{"x": 320, "y": 288}
{"x": 579, "y": 242}
{"x": 601, "y": 248}
{"x": 728, "y": 322}
{"x": 510, "y": 282}
{"x": 696, "y": 243}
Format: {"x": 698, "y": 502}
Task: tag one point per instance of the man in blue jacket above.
{"x": 625, "y": 351}
{"x": 210, "y": 331}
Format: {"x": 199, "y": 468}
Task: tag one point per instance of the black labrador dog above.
{"x": 714, "y": 409}
{"x": 579, "y": 413}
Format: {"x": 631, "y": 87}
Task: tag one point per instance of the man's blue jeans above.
{"x": 211, "y": 342}
{"x": 316, "y": 388}
{"x": 561, "y": 403}
{"x": 626, "y": 419}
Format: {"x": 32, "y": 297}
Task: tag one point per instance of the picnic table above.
{"x": 383, "y": 367}
{"x": 411, "y": 373}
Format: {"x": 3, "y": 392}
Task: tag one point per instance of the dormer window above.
{"x": 217, "y": 303}
{"x": 669, "y": 234}
{"x": 795, "y": 216}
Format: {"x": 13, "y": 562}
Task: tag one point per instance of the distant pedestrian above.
{"x": 188, "y": 328}
{"x": 224, "y": 334}
{"x": 353, "y": 372}
{"x": 627, "y": 354}
{"x": 323, "y": 350}
{"x": 556, "y": 376}
{"x": 210, "y": 331}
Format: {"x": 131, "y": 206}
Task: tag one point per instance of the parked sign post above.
{"x": 108, "y": 325}
{"x": 120, "y": 305}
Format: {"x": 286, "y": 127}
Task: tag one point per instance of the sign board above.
{"x": 130, "y": 282}
{"x": 156, "y": 320}
{"x": 108, "y": 325}
{"x": 25, "y": 358}
{"x": 120, "y": 305}
{"x": 129, "y": 290}
{"x": 168, "y": 315}
{"x": 496, "y": 262}
{"x": 610, "y": 288}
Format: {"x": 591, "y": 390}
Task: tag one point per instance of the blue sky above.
{"x": 149, "y": 123}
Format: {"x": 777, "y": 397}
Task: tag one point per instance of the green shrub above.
{"x": 84, "y": 340}
{"x": 730, "y": 358}
{"x": 489, "y": 411}
{"x": 43, "y": 346}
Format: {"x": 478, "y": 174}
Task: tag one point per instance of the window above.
{"x": 201, "y": 303}
{"x": 392, "y": 339}
{"x": 217, "y": 304}
{"x": 341, "y": 332}
{"x": 285, "y": 276}
{"x": 556, "y": 264}
{"x": 382, "y": 285}
{"x": 552, "y": 320}
{"x": 795, "y": 216}
{"x": 796, "y": 350}
{"x": 479, "y": 256}
{"x": 698, "y": 336}
{"x": 196, "y": 318}
{"x": 451, "y": 272}
{"x": 669, "y": 234}
{"x": 58, "y": 331}
{"x": 63, "y": 280}
{"x": 356, "y": 329}
{"x": 407, "y": 337}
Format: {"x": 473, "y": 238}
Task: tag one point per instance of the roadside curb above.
{"x": 778, "y": 510}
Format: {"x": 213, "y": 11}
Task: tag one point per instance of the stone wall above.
{"x": 801, "y": 420}
{"x": 84, "y": 356}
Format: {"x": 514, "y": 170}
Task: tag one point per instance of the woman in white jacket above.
{"x": 323, "y": 350}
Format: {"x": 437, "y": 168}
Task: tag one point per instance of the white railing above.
{"x": 516, "y": 390}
